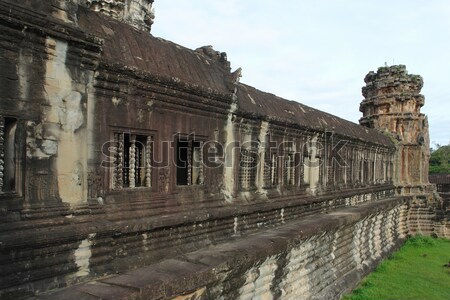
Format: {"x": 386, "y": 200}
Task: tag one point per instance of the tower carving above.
{"x": 392, "y": 104}
{"x": 138, "y": 13}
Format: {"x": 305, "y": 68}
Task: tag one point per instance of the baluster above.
{"x": 132, "y": 164}
{"x": 292, "y": 169}
{"x": 2, "y": 151}
{"x": 200, "y": 164}
{"x": 148, "y": 164}
{"x": 273, "y": 175}
{"x": 189, "y": 163}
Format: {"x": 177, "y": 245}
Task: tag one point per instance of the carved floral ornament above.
{"x": 113, "y": 8}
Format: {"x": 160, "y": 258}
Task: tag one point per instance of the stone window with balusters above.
{"x": 132, "y": 162}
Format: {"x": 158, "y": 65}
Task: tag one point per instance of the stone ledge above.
{"x": 158, "y": 217}
{"x": 209, "y": 266}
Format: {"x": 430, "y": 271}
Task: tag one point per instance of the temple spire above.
{"x": 392, "y": 104}
{"x": 138, "y": 13}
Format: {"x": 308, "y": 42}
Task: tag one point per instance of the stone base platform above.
{"x": 317, "y": 257}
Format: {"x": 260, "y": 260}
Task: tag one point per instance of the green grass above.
{"x": 416, "y": 271}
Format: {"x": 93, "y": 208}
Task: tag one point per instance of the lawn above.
{"x": 416, "y": 271}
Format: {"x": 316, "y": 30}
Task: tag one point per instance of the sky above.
{"x": 318, "y": 52}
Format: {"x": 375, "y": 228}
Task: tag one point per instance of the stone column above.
{"x": 2, "y": 151}
{"x": 132, "y": 165}
{"x": 148, "y": 161}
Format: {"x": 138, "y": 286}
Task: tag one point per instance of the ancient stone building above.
{"x": 392, "y": 104}
{"x": 133, "y": 167}
{"x": 442, "y": 182}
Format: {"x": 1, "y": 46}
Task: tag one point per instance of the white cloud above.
{"x": 318, "y": 52}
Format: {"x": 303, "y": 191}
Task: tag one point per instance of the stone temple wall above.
{"x": 117, "y": 164}
{"x": 442, "y": 182}
{"x": 314, "y": 257}
{"x": 93, "y": 241}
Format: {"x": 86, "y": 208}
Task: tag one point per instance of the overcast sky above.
{"x": 317, "y": 52}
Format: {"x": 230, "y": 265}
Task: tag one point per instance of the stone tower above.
{"x": 392, "y": 104}
{"x": 138, "y": 13}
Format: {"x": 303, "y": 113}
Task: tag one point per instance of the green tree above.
{"x": 440, "y": 159}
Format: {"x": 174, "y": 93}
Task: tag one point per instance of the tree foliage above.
{"x": 440, "y": 160}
